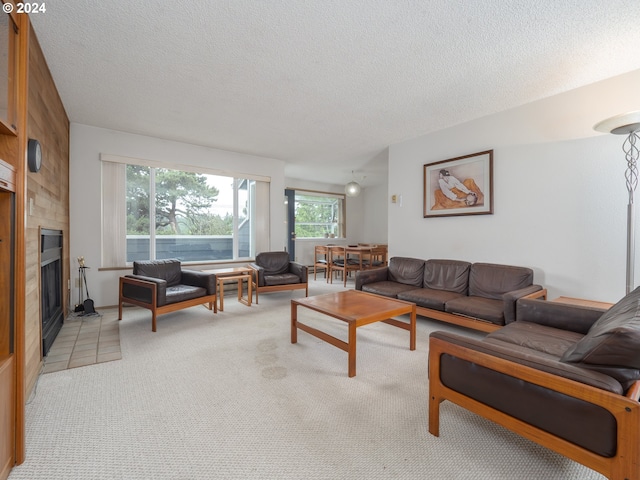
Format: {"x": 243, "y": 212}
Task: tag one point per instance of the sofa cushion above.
{"x": 490, "y": 280}
{"x": 274, "y": 263}
{"x": 168, "y": 270}
{"x": 387, "y": 288}
{"x": 428, "y": 298}
{"x": 533, "y": 336}
{"x": 478, "y": 307}
{"x": 409, "y": 271}
{"x": 614, "y": 339}
{"x": 451, "y": 275}
{"x": 281, "y": 279}
{"x": 179, "y": 293}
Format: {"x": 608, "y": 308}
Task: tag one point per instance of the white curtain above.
{"x": 262, "y": 222}
{"x": 114, "y": 218}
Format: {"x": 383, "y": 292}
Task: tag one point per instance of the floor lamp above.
{"x": 627, "y": 124}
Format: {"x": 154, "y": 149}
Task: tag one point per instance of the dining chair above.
{"x": 321, "y": 260}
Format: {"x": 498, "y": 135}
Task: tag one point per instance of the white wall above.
{"x": 559, "y": 192}
{"x": 86, "y": 145}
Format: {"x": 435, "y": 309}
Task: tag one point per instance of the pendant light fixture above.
{"x": 352, "y": 189}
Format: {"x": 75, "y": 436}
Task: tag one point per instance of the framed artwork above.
{"x": 459, "y": 186}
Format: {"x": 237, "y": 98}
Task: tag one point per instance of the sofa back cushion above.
{"x": 614, "y": 339}
{"x": 490, "y": 280}
{"x": 409, "y": 271}
{"x": 450, "y": 275}
{"x": 274, "y": 263}
{"x": 168, "y": 270}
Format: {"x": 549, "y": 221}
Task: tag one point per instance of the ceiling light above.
{"x": 352, "y": 189}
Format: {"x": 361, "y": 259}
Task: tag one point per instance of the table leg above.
{"x": 239, "y": 289}
{"x": 412, "y": 332}
{"x": 249, "y": 291}
{"x": 221, "y": 288}
{"x": 351, "y": 349}
{"x": 294, "y": 322}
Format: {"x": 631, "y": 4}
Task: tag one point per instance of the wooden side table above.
{"x": 235, "y": 273}
{"x": 583, "y": 302}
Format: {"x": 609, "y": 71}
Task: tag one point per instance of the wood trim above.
{"x": 625, "y": 464}
{"x": 22, "y": 78}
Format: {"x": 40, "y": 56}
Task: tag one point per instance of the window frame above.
{"x": 114, "y": 251}
{"x": 342, "y": 215}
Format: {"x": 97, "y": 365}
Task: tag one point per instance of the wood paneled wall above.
{"x": 47, "y": 202}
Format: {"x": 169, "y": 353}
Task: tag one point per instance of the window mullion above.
{"x": 152, "y": 213}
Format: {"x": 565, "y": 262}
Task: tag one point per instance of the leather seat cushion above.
{"x": 274, "y": 263}
{"x": 452, "y": 275}
{"x": 428, "y": 298}
{"x": 178, "y": 293}
{"x": 387, "y": 288}
{"x": 406, "y": 270}
{"x": 478, "y": 307}
{"x": 168, "y": 270}
{"x": 540, "y": 338}
{"x": 490, "y": 280}
{"x": 281, "y": 279}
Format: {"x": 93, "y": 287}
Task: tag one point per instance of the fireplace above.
{"x": 50, "y": 286}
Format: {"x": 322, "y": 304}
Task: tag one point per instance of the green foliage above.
{"x": 316, "y": 215}
{"x": 182, "y": 204}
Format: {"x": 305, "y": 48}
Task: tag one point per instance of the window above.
{"x": 169, "y": 213}
{"x": 319, "y": 214}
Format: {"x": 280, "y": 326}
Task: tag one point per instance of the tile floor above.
{"x": 85, "y": 341}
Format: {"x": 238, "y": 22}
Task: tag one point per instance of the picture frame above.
{"x": 459, "y": 186}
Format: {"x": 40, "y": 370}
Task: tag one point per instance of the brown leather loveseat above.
{"x": 481, "y": 296}
{"x": 564, "y": 376}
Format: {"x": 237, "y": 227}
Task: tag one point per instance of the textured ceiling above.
{"x": 324, "y": 85}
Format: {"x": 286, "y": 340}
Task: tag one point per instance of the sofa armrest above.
{"x": 258, "y": 274}
{"x": 143, "y": 289}
{"x": 197, "y": 278}
{"x": 300, "y": 270}
{"x": 371, "y": 276}
{"x": 575, "y": 318}
{"x": 510, "y": 299}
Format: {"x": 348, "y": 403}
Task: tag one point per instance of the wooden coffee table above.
{"x": 356, "y": 308}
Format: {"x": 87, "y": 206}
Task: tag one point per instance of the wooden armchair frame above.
{"x": 625, "y": 409}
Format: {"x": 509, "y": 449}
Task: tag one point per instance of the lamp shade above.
{"x": 352, "y": 189}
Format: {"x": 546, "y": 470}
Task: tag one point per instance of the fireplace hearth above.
{"x": 50, "y": 286}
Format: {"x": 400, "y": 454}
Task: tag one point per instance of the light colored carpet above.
{"x": 227, "y": 396}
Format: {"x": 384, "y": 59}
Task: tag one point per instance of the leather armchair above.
{"x": 162, "y": 286}
{"x": 273, "y": 271}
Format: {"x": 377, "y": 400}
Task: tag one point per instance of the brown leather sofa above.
{"x": 163, "y": 286}
{"x": 273, "y": 271}
{"x": 564, "y": 376}
{"x": 481, "y": 296}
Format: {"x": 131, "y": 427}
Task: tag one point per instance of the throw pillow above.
{"x": 614, "y": 339}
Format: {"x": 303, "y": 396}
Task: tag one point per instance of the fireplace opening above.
{"x": 50, "y": 286}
